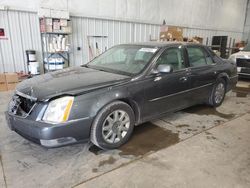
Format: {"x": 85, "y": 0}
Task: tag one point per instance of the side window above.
{"x": 209, "y": 59}
{"x": 173, "y": 57}
{"x": 196, "y": 56}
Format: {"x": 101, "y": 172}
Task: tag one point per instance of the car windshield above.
{"x": 246, "y": 48}
{"x": 124, "y": 59}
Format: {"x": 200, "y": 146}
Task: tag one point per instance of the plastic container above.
{"x": 34, "y": 68}
{"x": 33, "y": 65}
{"x": 54, "y": 64}
{"x": 31, "y": 55}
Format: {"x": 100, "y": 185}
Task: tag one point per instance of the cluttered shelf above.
{"x": 58, "y": 52}
{"x": 55, "y": 33}
{"x": 55, "y": 43}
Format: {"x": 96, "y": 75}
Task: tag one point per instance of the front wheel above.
{"x": 218, "y": 93}
{"x": 113, "y": 125}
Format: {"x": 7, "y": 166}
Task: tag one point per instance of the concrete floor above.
{"x": 197, "y": 147}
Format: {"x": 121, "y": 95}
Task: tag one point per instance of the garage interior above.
{"x": 196, "y": 147}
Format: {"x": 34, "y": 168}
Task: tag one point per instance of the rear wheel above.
{"x": 113, "y": 125}
{"x": 218, "y": 93}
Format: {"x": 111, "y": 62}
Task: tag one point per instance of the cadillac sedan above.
{"x": 127, "y": 85}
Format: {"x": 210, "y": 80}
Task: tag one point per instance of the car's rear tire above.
{"x": 218, "y": 93}
{"x": 113, "y": 125}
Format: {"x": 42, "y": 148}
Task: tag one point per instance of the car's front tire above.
{"x": 218, "y": 93}
{"x": 113, "y": 125}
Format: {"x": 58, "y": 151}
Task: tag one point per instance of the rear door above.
{"x": 202, "y": 72}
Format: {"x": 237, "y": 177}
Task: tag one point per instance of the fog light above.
{"x": 57, "y": 142}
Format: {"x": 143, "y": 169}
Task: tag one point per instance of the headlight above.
{"x": 58, "y": 110}
{"x": 232, "y": 58}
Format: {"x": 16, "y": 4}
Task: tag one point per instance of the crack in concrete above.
{"x": 143, "y": 156}
{"x": 4, "y": 177}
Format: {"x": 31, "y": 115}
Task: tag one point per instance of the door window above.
{"x": 208, "y": 58}
{"x": 196, "y": 56}
{"x": 173, "y": 57}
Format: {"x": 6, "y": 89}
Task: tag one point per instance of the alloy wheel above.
{"x": 219, "y": 93}
{"x": 115, "y": 126}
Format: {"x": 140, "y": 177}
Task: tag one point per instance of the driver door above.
{"x": 165, "y": 92}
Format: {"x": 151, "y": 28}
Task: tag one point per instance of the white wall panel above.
{"x": 246, "y": 32}
{"x": 225, "y": 15}
{"x": 22, "y": 31}
{"x": 117, "y": 32}
{"x": 208, "y": 34}
{"x": 126, "y": 32}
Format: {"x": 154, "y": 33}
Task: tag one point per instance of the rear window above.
{"x": 196, "y": 56}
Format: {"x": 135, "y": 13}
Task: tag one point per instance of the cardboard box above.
{"x": 56, "y": 25}
{"x": 3, "y": 85}
{"x": 2, "y": 78}
{"x": 64, "y": 22}
{"x": 48, "y": 21}
{"x": 11, "y": 78}
{"x": 171, "y": 33}
{"x": 66, "y": 29}
{"x": 11, "y": 86}
{"x": 8, "y": 81}
{"x": 198, "y": 39}
{"x": 49, "y": 29}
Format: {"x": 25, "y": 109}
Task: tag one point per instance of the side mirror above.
{"x": 164, "y": 69}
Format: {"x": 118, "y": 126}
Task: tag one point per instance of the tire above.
{"x": 109, "y": 122}
{"x": 218, "y": 93}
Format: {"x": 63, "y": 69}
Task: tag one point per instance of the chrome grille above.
{"x": 243, "y": 62}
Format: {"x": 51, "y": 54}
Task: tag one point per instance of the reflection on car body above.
{"x": 129, "y": 84}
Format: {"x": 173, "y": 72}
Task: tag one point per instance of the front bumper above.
{"x": 244, "y": 75}
{"x": 51, "y": 135}
{"x": 243, "y": 67}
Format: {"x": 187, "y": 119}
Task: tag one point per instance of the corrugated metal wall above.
{"x": 207, "y": 34}
{"x": 22, "y": 30}
{"x": 246, "y": 34}
{"x": 119, "y": 32}
{"x": 115, "y": 32}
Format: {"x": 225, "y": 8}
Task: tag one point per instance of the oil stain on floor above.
{"x": 146, "y": 137}
{"x": 205, "y": 110}
{"x": 109, "y": 161}
{"x": 242, "y": 89}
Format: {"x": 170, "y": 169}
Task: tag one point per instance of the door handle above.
{"x": 188, "y": 71}
{"x": 183, "y": 79}
{"x": 158, "y": 78}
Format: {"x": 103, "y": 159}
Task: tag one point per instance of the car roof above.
{"x": 162, "y": 44}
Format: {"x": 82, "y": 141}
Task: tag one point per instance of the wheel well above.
{"x": 225, "y": 79}
{"x": 134, "y": 107}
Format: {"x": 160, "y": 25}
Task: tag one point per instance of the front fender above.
{"x": 89, "y": 104}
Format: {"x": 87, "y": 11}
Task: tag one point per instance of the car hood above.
{"x": 241, "y": 54}
{"x": 71, "y": 81}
